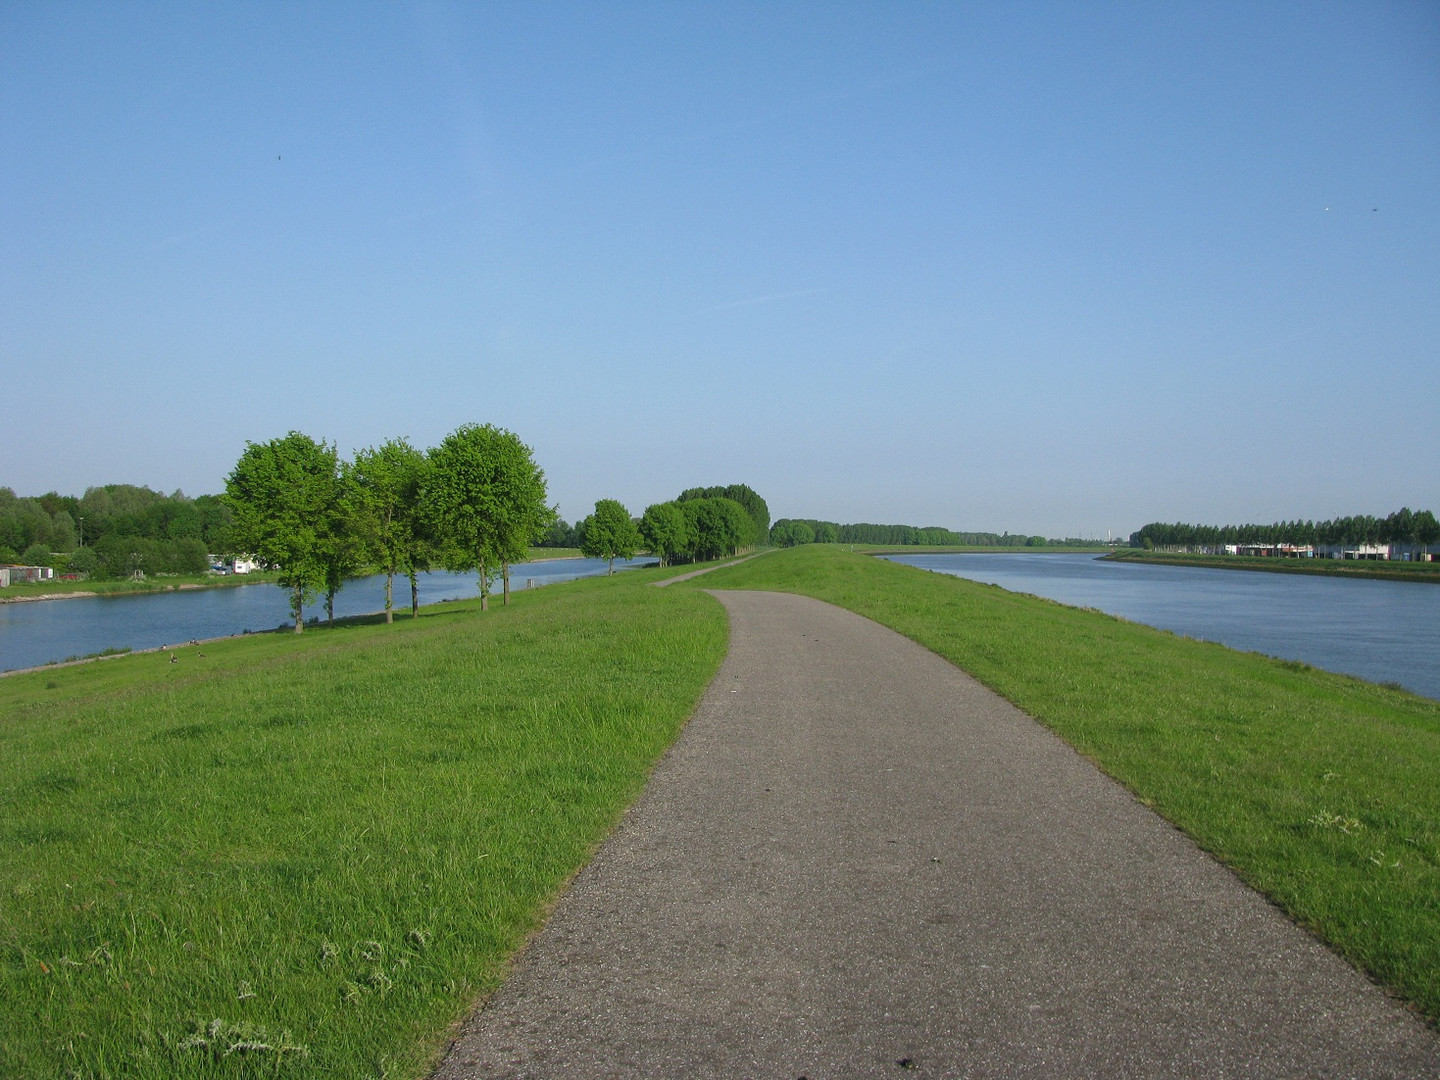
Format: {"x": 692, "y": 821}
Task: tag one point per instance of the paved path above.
{"x": 858, "y": 862}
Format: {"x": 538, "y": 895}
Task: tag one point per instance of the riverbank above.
{"x": 57, "y": 590}
{"x": 1428, "y": 573}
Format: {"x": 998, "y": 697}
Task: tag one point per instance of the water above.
{"x": 49, "y": 630}
{"x": 1383, "y": 631}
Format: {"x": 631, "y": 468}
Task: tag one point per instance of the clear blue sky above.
{"x": 1054, "y": 268}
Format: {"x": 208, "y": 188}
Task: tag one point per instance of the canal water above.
{"x": 1383, "y": 631}
{"x": 48, "y": 630}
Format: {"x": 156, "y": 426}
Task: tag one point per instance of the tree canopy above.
{"x": 750, "y": 502}
{"x": 484, "y": 501}
{"x": 665, "y": 530}
{"x": 1404, "y": 526}
{"x": 609, "y": 533}
{"x": 282, "y": 494}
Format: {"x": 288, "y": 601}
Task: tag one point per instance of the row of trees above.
{"x": 113, "y": 530}
{"x": 475, "y": 502}
{"x": 790, "y": 532}
{"x": 692, "y": 528}
{"x": 1404, "y": 526}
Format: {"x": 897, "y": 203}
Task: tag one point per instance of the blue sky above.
{"x": 1054, "y": 268}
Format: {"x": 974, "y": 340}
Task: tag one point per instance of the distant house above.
{"x": 21, "y": 575}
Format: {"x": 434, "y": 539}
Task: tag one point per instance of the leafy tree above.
{"x": 343, "y": 548}
{"x": 787, "y": 533}
{"x": 35, "y": 555}
{"x": 609, "y": 533}
{"x": 484, "y": 498}
{"x": 384, "y": 496}
{"x": 665, "y": 531}
{"x": 717, "y": 526}
{"x": 281, "y": 494}
{"x": 752, "y": 504}
{"x": 1427, "y": 529}
{"x": 82, "y": 561}
{"x": 559, "y": 534}
{"x": 520, "y": 498}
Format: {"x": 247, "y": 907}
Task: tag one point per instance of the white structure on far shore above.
{"x": 19, "y": 575}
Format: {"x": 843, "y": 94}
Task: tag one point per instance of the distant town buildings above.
{"x": 1383, "y": 552}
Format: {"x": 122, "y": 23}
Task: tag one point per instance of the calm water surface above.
{"x": 1383, "y": 631}
{"x": 49, "y": 630}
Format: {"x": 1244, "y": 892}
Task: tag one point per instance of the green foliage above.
{"x": 35, "y": 555}
{"x": 168, "y": 525}
{"x": 791, "y": 534}
{"x": 483, "y": 501}
{"x": 560, "y": 534}
{"x": 609, "y": 533}
{"x": 752, "y": 503}
{"x": 717, "y": 527}
{"x": 665, "y": 531}
{"x": 283, "y": 495}
{"x": 1403, "y": 527}
{"x": 1321, "y": 790}
{"x": 383, "y": 496}
{"x": 830, "y": 532}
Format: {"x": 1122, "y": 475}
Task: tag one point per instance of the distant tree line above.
{"x": 790, "y": 532}
{"x": 1404, "y": 526}
{"x": 701, "y": 524}
{"x": 113, "y": 531}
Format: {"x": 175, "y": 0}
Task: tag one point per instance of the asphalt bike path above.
{"x": 856, "y": 861}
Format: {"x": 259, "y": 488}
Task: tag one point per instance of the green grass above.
{"x": 1321, "y": 790}
{"x": 538, "y": 553}
{"x": 1355, "y": 568}
{"x": 309, "y": 856}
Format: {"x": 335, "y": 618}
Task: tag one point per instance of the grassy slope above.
{"x": 328, "y": 842}
{"x": 1321, "y": 790}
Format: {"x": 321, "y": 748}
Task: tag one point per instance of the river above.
{"x": 1383, "y": 631}
{"x": 48, "y": 630}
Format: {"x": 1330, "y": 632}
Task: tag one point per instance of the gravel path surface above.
{"x": 858, "y": 862}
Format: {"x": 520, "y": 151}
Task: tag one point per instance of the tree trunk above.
{"x": 297, "y": 607}
{"x": 414, "y": 595}
{"x": 330, "y": 608}
{"x": 611, "y": 572}
{"x": 505, "y": 574}
{"x": 389, "y": 585}
{"x": 484, "y": 585}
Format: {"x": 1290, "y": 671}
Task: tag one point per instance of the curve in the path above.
{"x": 858, "y": 862}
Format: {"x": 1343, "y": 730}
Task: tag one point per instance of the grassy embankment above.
{"x": 1321, "y": 790}
{"x": 308, "y": 856}
{"x": 1353, "y": 568}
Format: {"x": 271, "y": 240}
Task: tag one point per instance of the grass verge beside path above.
{"x": 308, "y": 856}
{"x": 1321, "y": 790}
